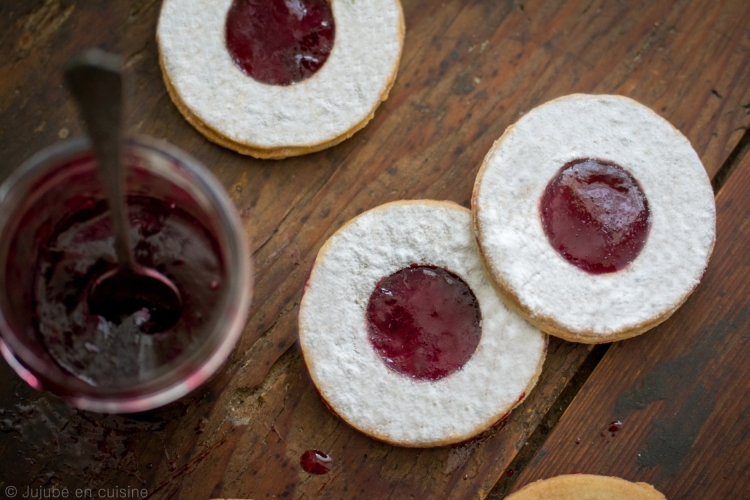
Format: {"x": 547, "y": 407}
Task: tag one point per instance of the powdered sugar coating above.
{"x": 338, "y": 97}
{"x": 353, "y": 379}
{"x": 555, "y": 294}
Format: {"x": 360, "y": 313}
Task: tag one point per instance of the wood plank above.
{"x": 680, "y": 391}
{"x": 469, "y": 70}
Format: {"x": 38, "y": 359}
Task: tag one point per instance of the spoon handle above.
{"x": 95, "y": 80}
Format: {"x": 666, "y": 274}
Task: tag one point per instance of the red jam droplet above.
{"x": 424, "y": 322}
{"x": 595, "y": 215}
{"x": 614, "y": 427}
{"x": 315, "y": 462}
{"x": 280, "y": 42}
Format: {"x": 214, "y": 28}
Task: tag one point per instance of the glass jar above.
{"x": 55, "y": 236}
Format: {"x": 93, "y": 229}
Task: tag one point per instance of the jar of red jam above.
{"x": 56, "y": 240}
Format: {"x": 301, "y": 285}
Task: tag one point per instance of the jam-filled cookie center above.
{"x": 280, "y": 42}
{"x": 595, "y": 215}
{"x": 424, "y": 322}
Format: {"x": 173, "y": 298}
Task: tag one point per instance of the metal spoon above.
{"x": 95, "y": 80}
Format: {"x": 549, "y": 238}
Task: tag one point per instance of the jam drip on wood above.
{"x": 315, "y": 462}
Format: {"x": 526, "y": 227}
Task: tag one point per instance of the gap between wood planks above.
{"x": 537, "y": 438}
{"x": 739, "y": 151}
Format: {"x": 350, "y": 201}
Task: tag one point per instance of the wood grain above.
{"x": 680, "y": 391}
{"x": 469, "y": 69}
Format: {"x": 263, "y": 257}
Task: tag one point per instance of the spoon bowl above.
{"x": 151, "y": 296}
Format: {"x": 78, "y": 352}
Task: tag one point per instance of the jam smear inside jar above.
{"x": 595, "y": 215}
{"x": 424, "y": 322}
{"x": 280, "y": 42}
{"x": 79, "y": 249}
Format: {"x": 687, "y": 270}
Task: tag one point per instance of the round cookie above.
{"x": 264, "y": 120}
{"x": 586, "y": 487}
{"x": 545, "y": 284}
{"x": 336, "y": 335}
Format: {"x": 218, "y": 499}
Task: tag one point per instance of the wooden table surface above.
{"x": 469, "y": 69}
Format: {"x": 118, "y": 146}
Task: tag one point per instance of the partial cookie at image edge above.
{"x": 577, "y": 486}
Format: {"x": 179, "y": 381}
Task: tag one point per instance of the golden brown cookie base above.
{"x": 586, "y": 487}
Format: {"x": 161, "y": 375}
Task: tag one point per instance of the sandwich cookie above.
{"x": 595, "y": 217}
{"x": 279, "y": 78}
{"x": 404, "y": 336}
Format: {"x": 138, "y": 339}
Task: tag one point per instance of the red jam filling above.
{"x": 424, "y": 322}
{"x": 315, "y": 462}
{"x": 280, "y": 42}
{"x": 595, "y": 215}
